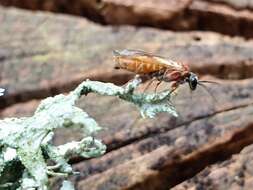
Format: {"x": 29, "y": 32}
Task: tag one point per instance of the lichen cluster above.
{"x": 2, "y": 91}
{"x": 26, "y": 143}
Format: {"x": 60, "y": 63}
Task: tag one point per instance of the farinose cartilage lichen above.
{"x": 2, "y": 91}
{"x": 26, "y": 143}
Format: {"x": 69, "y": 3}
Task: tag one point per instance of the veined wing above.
{"x": 149, "y": 62}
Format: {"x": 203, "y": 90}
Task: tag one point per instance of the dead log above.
{"x": 142, "y": 154}
{"x": 45, "y": 54}
{"x": 224, "y": 16}
{"x": 233, "y": 173}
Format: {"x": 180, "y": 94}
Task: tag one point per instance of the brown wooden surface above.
{"x": 32, "y": 50}
{"x": 44, "y": 54}
{"x": 234, "y": 173}
{"x": 225, "y": 16}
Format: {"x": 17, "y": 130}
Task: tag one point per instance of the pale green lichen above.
{"x": 26, "y": 143}
{"x": 66, "y": 185}
{"x": 2, "y": 91}
{"x": 149, "y": 104}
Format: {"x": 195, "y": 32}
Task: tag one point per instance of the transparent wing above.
{"x": 131, "y": 52}
{"x": 154, "y": 59}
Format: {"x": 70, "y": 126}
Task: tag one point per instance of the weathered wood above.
{"x": 235, "y": 173}
{"x": 150, "y": 12}
{"x": 188, "y": 139}
{"x": 60, "y": 51}
{"x": 225, "y": 16}
{"x": 165, "y": 166}
{"x": 222, "y": 17}
{"x": 248, "y": 4}
{"x": 44, "y": 54}
{"x": 180, "y": 137}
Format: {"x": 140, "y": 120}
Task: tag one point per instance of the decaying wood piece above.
{"x": 191, "y": 143}
{"x": 56, "y": 57}
{"x": 234, "y": 173}
{"x": 225, "y": 17}
{"x": 231, "y": 17}
{"x": 214, "y": 138}
{"x": 142, "y": 154}
{"x": 150, "y": 12}
{"x": 247, "y": 4}
{"x": 165, "y": 166}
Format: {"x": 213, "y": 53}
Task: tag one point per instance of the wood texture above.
{"x": 232, "y": 17}
{"x": 44, "y": 54}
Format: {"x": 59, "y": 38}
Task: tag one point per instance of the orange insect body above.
{"x": 158, "y": 68}
{"x": 144, "y": 63}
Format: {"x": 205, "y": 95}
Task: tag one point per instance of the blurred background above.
{"x": 48, "y": 47}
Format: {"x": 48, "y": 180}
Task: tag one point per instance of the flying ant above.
{"x": 157, "y": 68}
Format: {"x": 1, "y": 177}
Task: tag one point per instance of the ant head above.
{"x": 192, "y": 81}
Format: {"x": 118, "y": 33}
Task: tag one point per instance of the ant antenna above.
{"x": 207, "y": 81}
{"x": 208, "y": 90}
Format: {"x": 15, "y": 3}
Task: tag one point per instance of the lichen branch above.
{"x": 26, "y": 143}
{"x": 2, "y": 91}
{"x": 149, "y": 104}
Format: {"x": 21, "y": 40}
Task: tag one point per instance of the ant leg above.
{"x": 162, "y": 75}
{"x": 174, "y": 86}
{"x": 148, "y": 85}
{"x": 157, "y": 85}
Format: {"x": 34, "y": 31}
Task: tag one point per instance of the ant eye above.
{"x": 194, "y": 84}
{"x": 193, "y": 81}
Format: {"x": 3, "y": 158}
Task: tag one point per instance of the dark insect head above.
{"x": 192, "y": 81}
